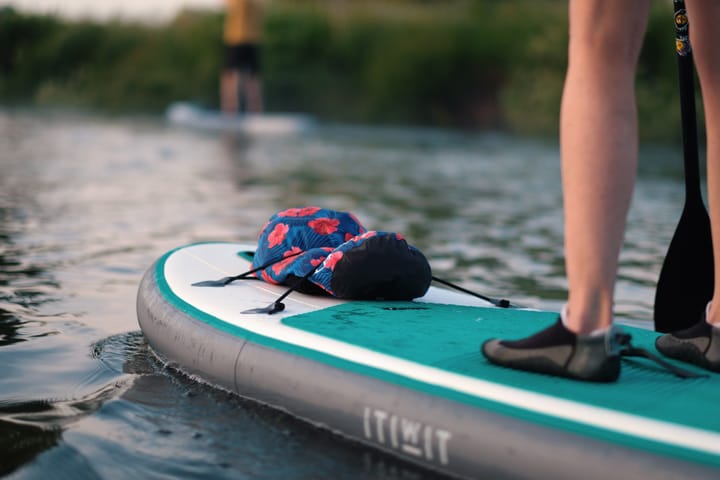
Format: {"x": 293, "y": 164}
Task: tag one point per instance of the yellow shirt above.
{"x": 243, "y": 22}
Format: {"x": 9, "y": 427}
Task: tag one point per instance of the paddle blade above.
{"x": 685, "y": 285}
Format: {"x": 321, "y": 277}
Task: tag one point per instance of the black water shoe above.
{"x": 560, "y": 352}
{"x": 699, "y": 345}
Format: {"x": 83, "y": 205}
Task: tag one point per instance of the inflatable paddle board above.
{"x": 408, "y": 378}
{"x": 189, "y": 115}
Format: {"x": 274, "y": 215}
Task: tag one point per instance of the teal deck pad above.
{"x": 449, "y": 337}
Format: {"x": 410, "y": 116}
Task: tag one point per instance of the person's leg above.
{"x": 599, "y": 149}
{"x": 704, "y": 18}
{"x": 252, "y": 85}
{"x": 229, "y": 91}
{"x": 252, "y": 91}
{"x": 700, "y": 344}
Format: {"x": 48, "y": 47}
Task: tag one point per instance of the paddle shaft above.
{"x": 687, "y": 104}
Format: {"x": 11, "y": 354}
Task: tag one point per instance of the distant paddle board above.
{"x": 189, "y": 115}
{"x": 408, "y": 378}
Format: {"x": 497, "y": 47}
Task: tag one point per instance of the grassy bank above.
{"x": 459, "y": 63}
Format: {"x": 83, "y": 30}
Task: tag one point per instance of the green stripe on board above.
{"x": 448, "y": 337}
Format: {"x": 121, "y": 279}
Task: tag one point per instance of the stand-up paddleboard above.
{"x": 408, "y": 378}
{"x": 189, "y": 115}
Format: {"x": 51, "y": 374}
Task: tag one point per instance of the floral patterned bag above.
{"x": 321, "y": 251}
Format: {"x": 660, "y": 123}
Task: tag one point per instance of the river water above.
{"x": 88, "y": 202}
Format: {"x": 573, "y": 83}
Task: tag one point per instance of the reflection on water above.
{"x": 28, "y": 428}
{"x": 88, "y": 203}
{"x": 22, "y": 443}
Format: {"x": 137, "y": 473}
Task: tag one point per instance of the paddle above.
{"x": 686, "y": 279}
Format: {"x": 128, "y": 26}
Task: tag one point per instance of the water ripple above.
{"x": 88, "y": 203}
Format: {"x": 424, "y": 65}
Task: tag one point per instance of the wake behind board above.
{"x": 408, "y": 378}
{"x": 188, "y": 115}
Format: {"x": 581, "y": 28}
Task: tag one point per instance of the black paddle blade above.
{"x": 214, "y": 283}
{"x": 686, "y": 280}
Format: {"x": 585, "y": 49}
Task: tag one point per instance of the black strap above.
{"x": 277, "y": 305}
{"x": 224, "y": 281}
{"x": 677, "y": 371}
{"x": 501, "y": 302}
{"x": 630, "y": 350}
{"x": 273, "y": 308}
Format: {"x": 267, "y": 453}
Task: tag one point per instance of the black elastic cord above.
{"x": 224, "y": 281}
{"x": 277, "y": 305}
{"x": 630, "y": 350}
{"x": 502, "y": 303}
{"x": 679, "y": 372}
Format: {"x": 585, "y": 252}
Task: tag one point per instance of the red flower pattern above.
{"x": 324, "y": 226}
{"x": 277, "y": 236}
{"x": 280, "y": 266}
{"x": 299, "y": 212}
{"x": 332, "y": 260}
{"x": 368, "y": 234}
{"x": 266, "y": 276}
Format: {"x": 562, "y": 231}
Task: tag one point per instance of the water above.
{"x": 87, "y": 203}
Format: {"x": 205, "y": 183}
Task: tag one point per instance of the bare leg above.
{"x": 599, "y": 150}
{"x": 229, "y": 91}
{"x": 252, "y": 86}
{"x": 704, "y": 16}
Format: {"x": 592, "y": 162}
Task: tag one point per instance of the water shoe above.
{"x": 699, "y": 345}
{"x": 560, "y": 352}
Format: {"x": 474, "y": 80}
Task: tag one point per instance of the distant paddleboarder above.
{"x": 240, "y": 81}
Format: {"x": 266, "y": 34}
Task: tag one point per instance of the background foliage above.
{"x": 452, "y": 63}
